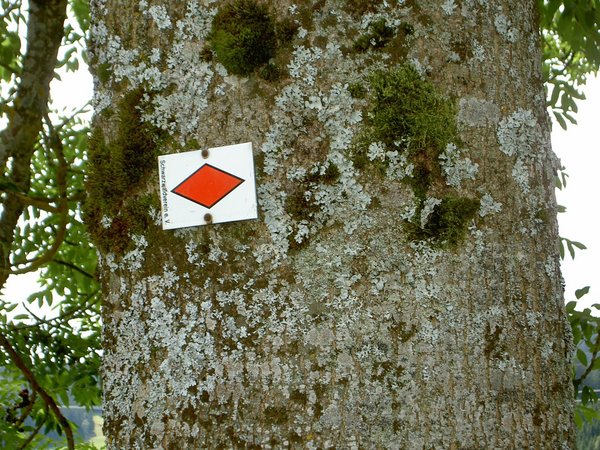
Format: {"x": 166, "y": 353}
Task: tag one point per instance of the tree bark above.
{"x": 369, "y": 306}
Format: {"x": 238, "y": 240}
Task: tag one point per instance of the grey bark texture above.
{"x": 329, "y": 322}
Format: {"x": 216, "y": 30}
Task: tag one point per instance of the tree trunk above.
{"x": 401, "y": 286}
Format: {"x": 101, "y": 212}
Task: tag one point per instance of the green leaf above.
{"x": 21, "y": 317}
{"x": 596, "y": 364}
{"x": 560, "y": 120}
{"x": 81, "y": 10}
{"x": 571, "y": 245}
{"x": 8, "y": 308}
{"x": 571, "y": 249}
{"x": 570, "y": 118}
{"x": 587, "y": 413}
{"x": 581, "y": 292}
{"x": 561, "y": 249}
{"x": 555, "y": 95}
{"x": 585, "y": 396}
{"x": 582, "y": 357}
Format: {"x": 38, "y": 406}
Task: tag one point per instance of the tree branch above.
{"x": 48, "y": 400}
{"x": 568, "y": 61}
{"x": 62, "y": 208}
{"x": 42, "y": 204}
{"x": 38, "y": 262}
{"x": 45, "y": 30}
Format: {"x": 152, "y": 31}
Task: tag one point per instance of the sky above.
{"x": 578, "y": 149}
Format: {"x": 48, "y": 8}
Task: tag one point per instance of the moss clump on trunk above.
{"x": 409, "y": 116}
{"x": 448, "y": 223}
{"x": 243, "y": 36}
{"x": 116, "y": 170}
{"x": 378, "y": 35}
{"x": 405, "y": 106}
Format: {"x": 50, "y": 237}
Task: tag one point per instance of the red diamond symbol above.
{"x": 207, "y": 186}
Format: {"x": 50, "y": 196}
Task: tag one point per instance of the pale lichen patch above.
{"x": 519, "y": 136}
{"x": 488, "y": 205}
{"x": 474, "y": 112}
{"x": 456, "y": 169}
{"x": 505, "y": 27}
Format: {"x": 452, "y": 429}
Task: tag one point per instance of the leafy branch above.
{"x": 48, "y": 400}
{"x": 586, "y": 335}
{"x": 35, "y": 431}
{"x": 571, "y": 36}
{"x": 41, "y": 190}
{"x": 64, "y": 317}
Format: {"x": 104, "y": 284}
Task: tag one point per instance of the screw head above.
{"x": 208, "y": 218}
{"x": 205, "y": 153}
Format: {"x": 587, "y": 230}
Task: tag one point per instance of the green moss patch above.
{"x": 447, "y": 224}
{"x": 357, "y": 90}
{"x": 243, "y": 36}
{"x": 270, "y": 72}
{"x": 378, "y": 35}
{"x": 359, "y": 7}
{"x": 103, "y": 73}
{"x": 116, "y": 170}
{"x": 406, "y": 106}
{"x": 408, "y": 115}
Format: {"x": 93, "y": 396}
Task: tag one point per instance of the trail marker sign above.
{"x": 207, "y": 186}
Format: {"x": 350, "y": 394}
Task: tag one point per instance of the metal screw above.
{"x": 208, "y": 218}
{"x": 205, "y": 153}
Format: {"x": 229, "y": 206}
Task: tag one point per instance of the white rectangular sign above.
{"x": 207, "y": 186}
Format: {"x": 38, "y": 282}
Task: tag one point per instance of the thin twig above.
{"x": 37, "y": 203}
{"x": 36, "y": 263}
{"x": 44, "y": 202}
{"x": 27, "y": 410}
{"x": 65, "y": 120}
{"x": 74, "y": 267}
{"x": 10, "y": 9}
{"x": 48, "y": 400}
{"x": 66, "y": 315}
{"x": 569, "y": 60}
{"x": 78, "y": 196}
{"x": 589, "y": 368}
{"x": 35, "y": 432}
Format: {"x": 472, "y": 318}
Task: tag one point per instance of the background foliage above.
{"x": 57, "y": 351}
{"x": 571, "y": 37}
{"x": 57, "y": 354}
